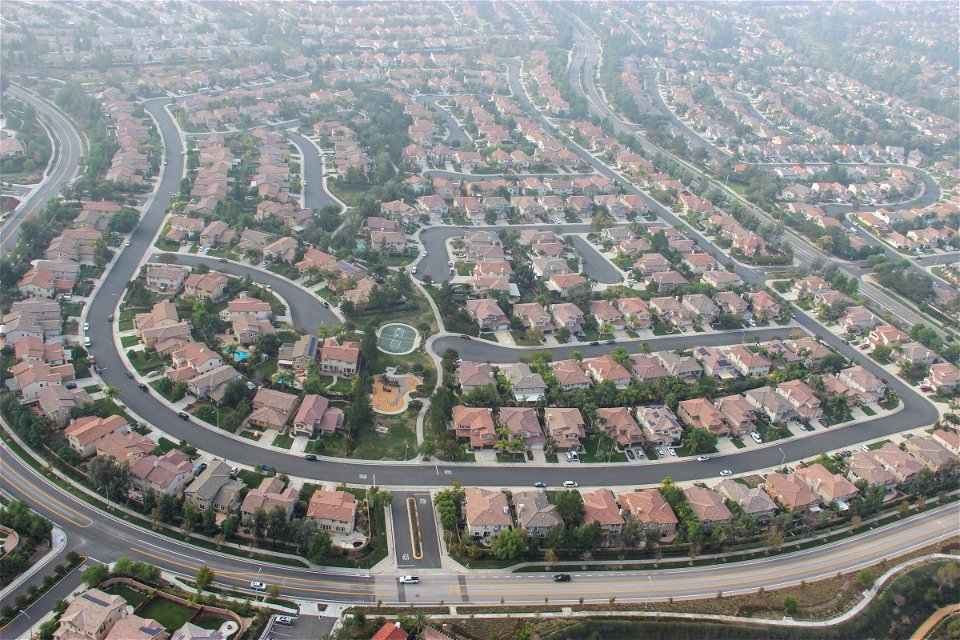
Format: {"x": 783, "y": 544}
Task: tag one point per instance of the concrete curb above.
{"x": 59, "y": 538}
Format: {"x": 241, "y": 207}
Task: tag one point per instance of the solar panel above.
{"x": 94, "y": 600}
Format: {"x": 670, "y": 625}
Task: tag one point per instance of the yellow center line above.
{"x": 88, "y": 522}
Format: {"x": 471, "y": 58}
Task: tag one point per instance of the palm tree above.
{"x": 645, "y": 348}
{"x": 415, "y": 623}
{"x": 230, "y": 350}
{"x": 112, "y": 393}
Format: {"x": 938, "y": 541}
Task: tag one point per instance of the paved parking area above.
{"x": 302, "y": 628}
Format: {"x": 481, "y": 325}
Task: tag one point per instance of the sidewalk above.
{"x": 59, "y": 544}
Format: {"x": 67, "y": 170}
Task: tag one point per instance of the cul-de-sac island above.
{"x": 475, "y": 320}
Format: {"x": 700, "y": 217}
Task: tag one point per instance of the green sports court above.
{"x": 397, "y": 339}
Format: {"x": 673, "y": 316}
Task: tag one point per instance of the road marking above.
{"x": 37, "y": 489}
{"x": 412, "y": 514}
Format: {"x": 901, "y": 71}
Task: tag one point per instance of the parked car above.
{"x": 310, "y": 457}
{"x": 86, "y": 326}
{"x": 143, "y": 387}
{"x": 630, "y": 454}
{"x": 284, "y": 620}
{"x": 702, "y": 458}
{"x": 672, "y": 451}
{"x": 529, "y": 455}
{"x": 183, "y": 415}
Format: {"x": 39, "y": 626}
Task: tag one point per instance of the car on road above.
{"x": 726, "y": 472}
{"x": 258, "y": 586}
{"x": 110, "y": 318}
{"x": 570, "y": 484}
{"x": 286, "y": 621}
{"x": 424, "y": 254}
{"x": 672, "y": 451}
{"x": 86, "y": 326}
{"x": 630, "y": 454}
{"x": 413, "y": 270}
{"x": 183, "y": 415}
{"x": 409, "y": 580}
{"x": 562, "y": 577}
{"x": 223, "y": 259}
{"x": 129, "y": 375}
{"x": 143, "y": 387}
{"x": 540, "y": 485}
{"x": 612, "y": 341}
{"x": 310, "y": 457}
{"x": 467, "y": 337}
{"x": 595, "y": 343}
{"x": 702, "y": 458}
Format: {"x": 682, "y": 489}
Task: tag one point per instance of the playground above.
{"x": 397, "y": 339}
{"x": 391, "y": 392}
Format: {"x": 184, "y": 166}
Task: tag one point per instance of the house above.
{"x": 790, "y": 492}
{"x": 196, "y": 356}
{"x": 213, "y": 383}
{"x": 535, "y": 514}
{"x": 747, "y": 362}
{"x": 868, "y": 387}
{"x": 708, "y": 506}
{"x": 486, "y": 512}
{"x": 810, "y": 351}
{"x": 763, "y": 304}
{"x": 670, "y": 310}
{"x": 163, "y": 314}
{"x": 30, "y": 378}
{"x": 83, "y": 434}
{"x": 901, "y": 464}
{"x": 702, "y": 307}
{"x": 650, "y": 263}
{"x": 33, "y": 348}
{"x": 753, "y": 501}
{"x": 714, "y": 362}
{"x": 887, "y": 335}
{"x": 605, "y": 313}
{"x": 660, "y": 425}
{"x": 533, "y": 315}
{"x": 299, "y": 354}
{"x": 272, "y": 409}
{"x": 476, "y": 424}
{"x": 684, "y": 367}
{"x": 525, "y": 385}
{"x": 487, "y": 314}
{"x": 316, "y": 417}
{"x": 566, "y": 426}
{"x": 830, "y": 487}
{"x": 333, "y": 511}
{"x": 601, "y": 506}
{"x": 133, "y": 627}
{"x": 216, "y": 233}
{"x": 943, "y": 374}
{"x": 339, "y": 359}
{"x": 767, "y": 401}
{"x": 636, "y": 311}
{"x": 269, "y": 495}
{"x": 604, "y": 368}
{"x": 861, "y": 466}
{"x": 90, "y": 616}
{"x": 206, "y": 286}
{"x": 719, "y": 279}
{"x": 166, "y": 474}
{"x": 646, "y": 368}
{"x": 666, "y": 282}
{"x": 569, "y": 375}
{"x": 619, "y": 423}
{"x": 650, "y": 508}
{"x": 126, "y": 448}
{"x": 567, "y": 284}
{"x": 700, "y": 263}
{"x": 803, "y": 399}
{"x": 524, "y": 424}
{"x": 165, "y": 278}
{"x": 930, "y": 451}
{"x": 191, "y": 631}
{"x": 915, "y": 352}
{"x": 738, "y": 413}
{"x": 56, "y": 401}
{"x": 391, "y": 631}
{"x": 214, "y": 489}
{"x": 568, "y": 316}
{"x": 700, "y": 413}
{"x": 948, "y": 438}
{"x": 245, "y": 305}
{"x": 472, "y": 375}
{"x": 856, "y": 319}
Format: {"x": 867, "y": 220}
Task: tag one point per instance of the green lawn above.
{"x": 170, "y": 614}
{"x": 682, "y": 451}
{"x": 737, "y": 443}
{"x": 210, "y": 622}
{"x": 93, "y": 388}
{"x": 126, "y": 319}
{"x": 283, "y": 441}
{"x": 867, "y": 410}
{"x": 143, "y": 362}
{"x": 71, "y": 309}
{"x": 399, "y": 442}
{"x": 129, "y": 341}
{"x": 873, "y": 446}
{"x": 590, "y": 453}
{"x": 132, "y": 596}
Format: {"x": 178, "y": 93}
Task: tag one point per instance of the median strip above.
{"x": 414, "y": 519}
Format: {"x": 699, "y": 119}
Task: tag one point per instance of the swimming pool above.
{"x": 240, "y": 356}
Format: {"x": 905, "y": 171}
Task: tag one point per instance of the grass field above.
{"x": 170, "y": 614}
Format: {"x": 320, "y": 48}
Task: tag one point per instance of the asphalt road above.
{"x": 455, "y": 133}
{"x": 428, "y": 556}
{"x": 68, "y": 148}
{"x": 107, "y": 538}
{"x": 314, "y": 197}
{"x": 594, "y": 265}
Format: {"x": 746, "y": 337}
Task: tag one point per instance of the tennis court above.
{"x": 397, "y": 339}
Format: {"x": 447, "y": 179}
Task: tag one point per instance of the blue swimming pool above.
{"x": 240, "y": 356}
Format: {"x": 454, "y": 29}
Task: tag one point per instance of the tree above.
{"x": 699, "y": 440}
{"x": 866, "y": 578}
{"x": 773, "y": 540}
{"x": 204, "y": 579}
{"x": 124, "y": 221}
{"x": 276, "y": 523}
{"x": 259, "y": 524}
{"x": 550, "y": 557}
{"x": 621, "y": 356}
{"x": 570, "y": 507}
{"x": 790, "y": 605}
{"x": 95, "y": 574}
{"x": 111, "y": 478}
{"x": 632, "y": 531}
{"x": 510, "y": 544}
{"x": 319, "y": 547}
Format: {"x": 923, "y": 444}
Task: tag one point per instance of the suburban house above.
{"x": 269, "y": 495}
{"x": 213, "y": 383}
{"x": 166, "y": 474}
{"x": 56, "y": 401}
{"x": 333, "y": 511}
{"x": 339, "y": 359}
{"x": 700, "y": 413}
{"x": 660, "y": 425}
{"x": 525, "y": 385}
{"x": 165, "y": 278}
{"x": 803, "y": 399}
{"x": 901, "y": 464}
{"x": 930, "y": 451}
{"x": 830, "y": 487}
{"x": 708, "y": 506}
{"x": 90, "y": 616}
{"x": 753, "y": 501}
{"x": 636, "y": 311}
{"x": 604, "y": 368}
{"x": 476, "y": 424}
{"x": 861, "y": 466}
{"x": 215, "y": 488}
{"x": 523, "y": 423}
{"x": 272, "y": 409}
{"x": 943, "y": 374}
{"x": 486, "y": 512}
{"x": 646, "y": 368}
{"x": 315, "y": 417}
{"x": 868, "y": 387}
{"x": 790, "y": 492}
{"x": 569, "y": 375}
{"x": 206, "y": 286}
{"x": 605, "y": 313}
{"x": 770, "y": 403}
{"x": 568, "y": 316}
{"x": 684, "y": 367}
{"x": 535, "y": 514}
{"x": 619, "y": 423}
{"x": 651, "y": 509}
{"x": 472, "y": 375}
{"x": 533, "y": 315}
{"x": 601, "y": 506}
{"x": 747, "y": 362}
{"x": 297, "y": 355}
{"x": 133, "y": 627}
{"x": 487, "y": 314}
{"x": 738, "y": 413}
{"x": 566, "y": 426}
{"x": 83, "y": 434}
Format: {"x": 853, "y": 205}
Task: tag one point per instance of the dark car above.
{"x": 529, "y": 455}
{"x": 612, "y": 341}
{"x": 310, "y": 457}
{"x": 183, "y": 415}
{"x": 467, "y": 338}
{"x": 201, "y": 467}
{"x": 630, "y": 454}
{"x": 595, "y": 343}
{"x": 70, "y": 385}
{"x": 540, "y": 485}
{"x": 129, "y": 375}
{"x": 143, "y": 387}
{"x": 562, "y": 577}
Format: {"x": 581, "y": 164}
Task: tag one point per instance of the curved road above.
{"x": 67, "y": 147}
{"x": 314, "y": 196}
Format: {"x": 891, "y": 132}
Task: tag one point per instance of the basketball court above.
{"x": 397, "y": 339}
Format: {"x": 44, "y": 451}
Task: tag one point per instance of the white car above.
{"x": 413, "y": 270}
{"x": 424, "y": 254}
{"x": 672, "y": 451}
{"x": 258, "y": 586}
{"x": 702, "y": 458}
{"x": 284, "y": 620}
{"x": 86, "y": 326}
{"x": 756, "y": 437}
{"x": 570, "y": 484}
{"x": 726, "y": 472}
{"x": 409, "y": 580}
